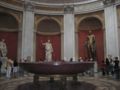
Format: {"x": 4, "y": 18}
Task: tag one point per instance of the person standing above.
{"x": 103, "y": 67}
{"x": 3, "y": 48}
{"x": 9, "y": 65}
{"x": 0, "y": 66}
{"x": 48, "y": 50}
{"x": 109, "y": 65}
{"x": 116, "y": 68}
{"x": 80, "y": 59}
{"x": 107, "y": 62}
{"x": 15, "y": 68}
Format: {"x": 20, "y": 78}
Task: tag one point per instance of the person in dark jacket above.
{"x": 109, "y": 66}
{"x": 0, "y": 66}
{"x": 15, "y": 68}
{"x": 116, "y": 68}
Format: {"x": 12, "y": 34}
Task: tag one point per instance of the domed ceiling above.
{"x": 43, "y": 6}
{"x": 47, "y": 2}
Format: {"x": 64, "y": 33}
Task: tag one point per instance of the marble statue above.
{"x": 91, "y": 45}
{"x": 3, "y": 48}
{"x": 48, "y": 50}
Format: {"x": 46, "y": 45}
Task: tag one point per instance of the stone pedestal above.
{"x": 3, "y": 68}
{"x": 95, "y": 69}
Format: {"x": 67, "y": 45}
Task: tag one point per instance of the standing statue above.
{"x": 90, "y": 45}
{"x": 48, "y": 50}
{"x": 3, "y": 48}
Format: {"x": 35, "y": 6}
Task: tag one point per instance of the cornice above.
{"x": 48, "y": 33}
{"x": 117, "y": 2}
{"x": 79, "y": 8}
{"x": 42, "y": 12}
{"x": 10, "y": 6}
{"x": 89, "y": 7}
{"x": 62, "y": 4}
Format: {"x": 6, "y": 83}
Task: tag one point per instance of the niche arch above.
{"x": 51, "y": 32}
{"x": 9, "y": 27}
{"x": 48, "y": 18}
{"x": 96, "y": 26}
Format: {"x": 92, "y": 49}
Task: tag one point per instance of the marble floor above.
{"x": 84, "y": 83}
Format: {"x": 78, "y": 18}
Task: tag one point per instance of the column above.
{"x": 62, "y": 45}
{"x": 111, "y": 30}
{"x": 28, "y": 32}
{"x": 69, "y": 36}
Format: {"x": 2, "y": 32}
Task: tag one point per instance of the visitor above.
{"x": 9, "y": 65}
{"x": 80, "y": 59}
{"x": 116, "y": 68}
{"x": 103, "y": 67}
{"x": 15, "y": 68}
{"x": 0, "y": 66}
{"x": 108, "y": 63}
{"x": 71, "y": 59}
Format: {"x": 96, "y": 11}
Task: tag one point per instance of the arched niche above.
{"x": 48, "y": 26}
{"x": 7, "y": 21}
{"x": 9, "y": 31}
{"x": 90, "y": 23}
{"x": 48, "y": 29}
{"x": 95, "y": 25}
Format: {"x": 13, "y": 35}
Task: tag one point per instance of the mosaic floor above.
{"x": 84, "y": 83}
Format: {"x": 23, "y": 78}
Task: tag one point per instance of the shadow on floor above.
{"x": 57, "y": 85}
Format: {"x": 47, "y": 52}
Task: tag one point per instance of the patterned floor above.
{"x": 84, "y": 83}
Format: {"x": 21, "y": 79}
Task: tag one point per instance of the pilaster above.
{"x": 28, "y": 31}
{"x": 69, "y": 34}
{"x": 111, "y": 29}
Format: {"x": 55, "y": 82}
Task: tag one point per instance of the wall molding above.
{"x": 79, "y": 8}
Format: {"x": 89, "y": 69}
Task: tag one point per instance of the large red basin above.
{"x": 61, "y": 68}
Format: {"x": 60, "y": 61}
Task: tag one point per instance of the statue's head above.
{"x": 49, "y": 40}
{"x": 90, "y": 32}
{"x": 3, "y": 40}
{"x": 80, "y": 58}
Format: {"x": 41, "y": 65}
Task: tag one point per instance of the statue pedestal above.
{"x": 95, "y": 69}
{"x": 3, "y": 68}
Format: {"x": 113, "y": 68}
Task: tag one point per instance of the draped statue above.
{"x": 3, "y": 48}
{"x": 48, "y": 50}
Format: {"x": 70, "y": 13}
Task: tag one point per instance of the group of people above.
{"x": 11, "y": 69}
{"x": 9, "y": 66}
{"x": 111, "y": 67}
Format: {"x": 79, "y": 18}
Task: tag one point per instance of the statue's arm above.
{"x": 43, "y": 43}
